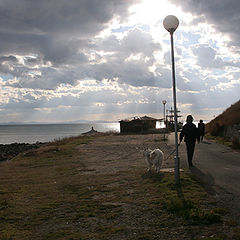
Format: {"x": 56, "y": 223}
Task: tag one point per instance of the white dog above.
{"x": 154, "y": 158}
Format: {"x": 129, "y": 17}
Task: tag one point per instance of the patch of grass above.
{"x": 220, "y": 140}
{"x": 192, "y": 212}
{"x": 236, "y": 235}
{"x": 4, "y": 205}
{"x": 221, "y": 211}
{"x": 184, "y": 199}
{"x": 225, "y": 141}
{"x": 231, "y": 222}
{"x": 162, "y": 139}
{"x": 145, "y": 236}
{"x": 235, "y": 143}
{"x": 212, "y": 238}
{"x": 70, "y": 141}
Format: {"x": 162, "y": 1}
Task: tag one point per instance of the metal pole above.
{"x": 164, "y": 113}
{"x": 164, "y": 121}
{"x": 176, "y": 170}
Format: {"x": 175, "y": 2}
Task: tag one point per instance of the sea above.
{"x": 32, "y": 133}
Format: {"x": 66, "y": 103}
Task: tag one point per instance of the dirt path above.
{"x": 118, "y": 167}
{"x": 123, "y": 153}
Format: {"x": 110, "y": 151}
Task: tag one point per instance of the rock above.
{"x": 91, "y": 132}
{"x": 9, "y": 151}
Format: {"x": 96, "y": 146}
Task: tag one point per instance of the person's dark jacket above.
{"x": 189, "y": 133}
{"x": 201, "y": 128}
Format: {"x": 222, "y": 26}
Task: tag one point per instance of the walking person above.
{"x": 201, "y": 129}
{"x": 190, "y": 134}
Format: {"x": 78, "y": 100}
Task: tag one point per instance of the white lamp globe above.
{"x": 170, "y": 23}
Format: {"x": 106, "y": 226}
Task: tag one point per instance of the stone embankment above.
{"x": 8, "y": 151}
{"x": 232, "y": 132}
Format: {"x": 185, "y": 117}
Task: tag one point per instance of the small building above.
{"x": 138, "y": 124}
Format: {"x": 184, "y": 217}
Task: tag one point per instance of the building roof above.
{"x": 144, "y": 118}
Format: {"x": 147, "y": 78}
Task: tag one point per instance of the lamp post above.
{"x": 164, "y": 118}
{"x": 171, "y": 23}
{"x": 164, "y": 103}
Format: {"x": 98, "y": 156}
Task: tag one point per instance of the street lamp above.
{"x": 171, "y": 23}
{"x": 164, "y": 115}
{"x": 164, "y": 118}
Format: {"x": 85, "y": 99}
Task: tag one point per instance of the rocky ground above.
{"x": 8, "y": 151}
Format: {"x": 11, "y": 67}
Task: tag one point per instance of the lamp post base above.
{"x": 176, "y": 169}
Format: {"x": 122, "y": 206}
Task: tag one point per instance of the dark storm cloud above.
{"x": 57, "y": 40}
{"x": 223, "y": 14}
{"x": 83, "y": 17}
{"x": 57, "y": 33}
{"x": 50, "y": 26}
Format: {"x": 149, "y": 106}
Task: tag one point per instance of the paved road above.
{"x": 218, "y": 166}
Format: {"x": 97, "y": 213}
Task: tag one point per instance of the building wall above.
{"x": 137, "y": 126}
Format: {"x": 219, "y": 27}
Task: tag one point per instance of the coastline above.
{"x": 48, "y": 132}
{"x": 9, "y": 151}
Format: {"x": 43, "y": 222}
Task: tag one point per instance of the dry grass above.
{"x": 215, "y": 128}
{"x": 97, "y": 188}
{"x": 229, "y": 117}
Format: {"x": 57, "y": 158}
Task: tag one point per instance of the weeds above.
{"x": 192, "y": 212}
{"x": 218, "y": 127}
{"x": 184, "y": 200}
{"x": 225, "y": 141}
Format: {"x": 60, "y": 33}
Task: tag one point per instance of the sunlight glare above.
{"x": 151, "y": 11}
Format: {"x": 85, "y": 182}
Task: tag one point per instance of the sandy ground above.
{"x": 124, "y": 152}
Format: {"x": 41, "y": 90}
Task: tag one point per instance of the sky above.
{"x": 107, "y": 60}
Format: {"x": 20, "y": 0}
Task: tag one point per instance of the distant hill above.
{"x": 64, "y": 122}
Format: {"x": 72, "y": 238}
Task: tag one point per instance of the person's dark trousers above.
{"x": 190, "y": 151}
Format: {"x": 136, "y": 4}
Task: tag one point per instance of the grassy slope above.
{"x": 229, "y": 117}
{"x": 215, "y": 128}
{"x": 43, "y": 196}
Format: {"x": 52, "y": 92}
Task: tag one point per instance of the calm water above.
{"x": 49, "y": 132}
